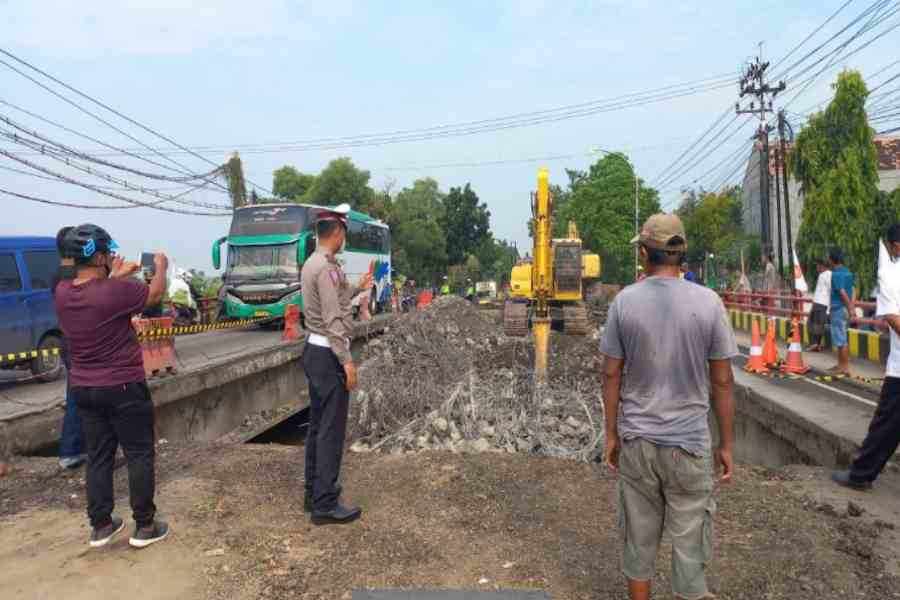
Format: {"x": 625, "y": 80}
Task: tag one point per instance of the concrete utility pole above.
{"x": 753, "y": 83}
{"x": 782, "y": 159}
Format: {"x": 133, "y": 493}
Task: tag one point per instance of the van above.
{"x": 27, "y": 316}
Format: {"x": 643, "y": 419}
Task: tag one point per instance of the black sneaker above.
{"x": 338, "y": 515}
{"x": 144, "y": 536}
{"x": 843, "y": 478}
{"x": 101, "y": 536}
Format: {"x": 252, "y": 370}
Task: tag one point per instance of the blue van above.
{"x": 27, "y": 316}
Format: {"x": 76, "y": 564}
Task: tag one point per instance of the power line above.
{"x": 459, "y": 131}
{"x": 99, "y": 190}
{"x": 109, "y": 108}
{"x": 708, "y": 148}
{"x": 703, "y": 135}
{"x": 105, "y": 176}
{"x": 67, "y": 204}
{"x": 812, "y": 33}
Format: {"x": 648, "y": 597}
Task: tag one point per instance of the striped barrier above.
{"x": 867, "y": 345}
{"x": 17, "y": 357}
{"x": 14, "y": 357}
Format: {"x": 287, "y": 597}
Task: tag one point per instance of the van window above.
{"x": 9, "y": 274}
{"x": 42, "y": 266}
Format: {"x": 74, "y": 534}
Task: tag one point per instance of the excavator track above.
{"x": 575, "y": 319}
{"x": 515, "y": 318}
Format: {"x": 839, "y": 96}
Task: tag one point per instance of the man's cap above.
{"x": 338, "y": 213}
{"x": 662, "y": 232}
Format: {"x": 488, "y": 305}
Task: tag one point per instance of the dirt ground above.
{"x": 432, "y": 520}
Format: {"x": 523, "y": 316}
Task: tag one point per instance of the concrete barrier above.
{"x": 202, "y": 403}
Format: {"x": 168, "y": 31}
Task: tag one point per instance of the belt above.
{"x": 318, "y": 340}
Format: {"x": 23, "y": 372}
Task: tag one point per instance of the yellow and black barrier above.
{"x": 13, "y": 357}
{"x": 867, "y": 345}
{"x": 191, "y": 329}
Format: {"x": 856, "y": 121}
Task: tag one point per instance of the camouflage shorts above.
{"x": 666, "y": 489}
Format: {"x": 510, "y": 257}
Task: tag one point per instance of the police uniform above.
{"x": 327, "y": 312}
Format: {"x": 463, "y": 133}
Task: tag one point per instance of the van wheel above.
{"x": 50, "y": 367}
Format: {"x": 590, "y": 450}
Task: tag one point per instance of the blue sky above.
{"x": 226, "y": 73}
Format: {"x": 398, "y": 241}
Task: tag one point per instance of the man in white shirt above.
{"x": 884, "y": 431}
{"x": 821, "y": 298}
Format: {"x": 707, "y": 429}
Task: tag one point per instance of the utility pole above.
{"x": 637, "y": 225}
{"x": 782, "y": 159}
{"x": 753, "y": 83}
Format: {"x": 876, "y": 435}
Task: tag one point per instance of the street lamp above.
{"x": 637, "y": 225}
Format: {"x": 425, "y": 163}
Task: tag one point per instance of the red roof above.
{"x": 888, "y": 149}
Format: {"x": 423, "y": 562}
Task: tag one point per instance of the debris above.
{"x": 359, "y": 447}
{"x": 508, "y": 565}
{"x": 854, "y": 509}
{"x": 215, "y": 552}
{"x": 447, "y": 378}
{"x": 483, "y": 581}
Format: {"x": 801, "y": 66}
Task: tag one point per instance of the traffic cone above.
{"x": 794, "y": 362}
{"x": 755, "y": 364}
{"x": 291, "y": 323}
{"x": 770, "y": 348}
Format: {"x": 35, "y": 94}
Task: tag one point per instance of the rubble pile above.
{"x": 446, "y": 378}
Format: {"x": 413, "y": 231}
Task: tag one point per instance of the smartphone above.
{"x": 148, "y": 267}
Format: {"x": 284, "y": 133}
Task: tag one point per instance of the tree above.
{"x": 712, "y": 223}
{"x": 835, "y": 161}
{"x": 419, "y": 246}
{"x": 290, "y": 184}
{"x": 466, "y": 222}
{"x": 341, "y": 182}
{"x": 601, "y": 202}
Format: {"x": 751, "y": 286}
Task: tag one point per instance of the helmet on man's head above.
{"x": 86, "y": 240}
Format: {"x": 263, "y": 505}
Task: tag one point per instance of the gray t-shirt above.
{"x": 667, "y": 330}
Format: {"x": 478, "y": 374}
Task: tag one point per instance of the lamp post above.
{"x": 637, "y": 225}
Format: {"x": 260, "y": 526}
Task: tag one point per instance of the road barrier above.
{"x": 14, "y": 357}
{"x": 773, "y": 304}
{"x": 190, "y": 329}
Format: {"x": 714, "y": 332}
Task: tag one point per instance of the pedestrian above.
{"x": 841, "y": 308}
{"x": 818, "y": 316}
{"x": 107, "y": 378}
{"x": 668, "y": 347}
{"x": 329, "y": 367}
{"x": 770, "y": 279}
{"x": 70, "y": 438}
{"x": 883, "y": 436}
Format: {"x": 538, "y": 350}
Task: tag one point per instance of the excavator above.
{"x": 548, "y": 290}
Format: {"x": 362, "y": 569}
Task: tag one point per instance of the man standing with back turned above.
{"x": 329, "y": 367}
{"x": 668, "y": 348}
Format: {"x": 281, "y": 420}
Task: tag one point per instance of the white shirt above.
{"x": 893, "y": 362}
{"x": 822, "y": 294}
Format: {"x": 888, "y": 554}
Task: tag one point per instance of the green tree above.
{"x": 290, "y": 184}
{"x": 341, "y": 181}
{"x": 601, "y": 202}
{"x": 466, "y": 222}
{"x": 419, "y": 244}
{"x": 836, "y": 163}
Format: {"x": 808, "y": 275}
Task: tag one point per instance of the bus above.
{"x": 267, "y": 246}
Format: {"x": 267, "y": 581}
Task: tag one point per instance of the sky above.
{"x": 225, "y": 73}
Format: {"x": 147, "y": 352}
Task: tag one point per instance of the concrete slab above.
{"x": 192, "y": 351}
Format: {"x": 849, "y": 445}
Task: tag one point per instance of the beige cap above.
{"x": 663, "y": 232}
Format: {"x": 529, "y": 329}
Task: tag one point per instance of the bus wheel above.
{"x": 50, "y": 367}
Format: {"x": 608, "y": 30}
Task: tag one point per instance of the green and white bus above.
{"x": 267, "y": 246}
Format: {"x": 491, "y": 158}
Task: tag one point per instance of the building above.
{"x": 751, "y": 206}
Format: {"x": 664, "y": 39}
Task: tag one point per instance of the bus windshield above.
{"x": 267, "y": 220}
{"x": 263, "y": 263}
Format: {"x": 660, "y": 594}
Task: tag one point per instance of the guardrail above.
{"x": 773, "y": 304}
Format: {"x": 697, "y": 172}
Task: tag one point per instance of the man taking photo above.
{"x": 668, "y": 347}
{"x": 107, "y": 378}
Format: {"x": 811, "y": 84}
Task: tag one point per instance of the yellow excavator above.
{"x": 548, "y": 289}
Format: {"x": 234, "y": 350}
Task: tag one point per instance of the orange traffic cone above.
{"x": 755, "y": 364}
{"x": 291, "y": 323}
{"x": 770, "y": 348}
{"x": 794, "y": 362}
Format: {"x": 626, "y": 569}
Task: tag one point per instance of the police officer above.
{"x": 329, "y": 367}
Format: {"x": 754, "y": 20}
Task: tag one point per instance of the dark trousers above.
{"x": 70, "y": 438}
{"x": 121, "y": 414}
{"x": 329, "y": 402}
{"x": 884, "y": 434}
